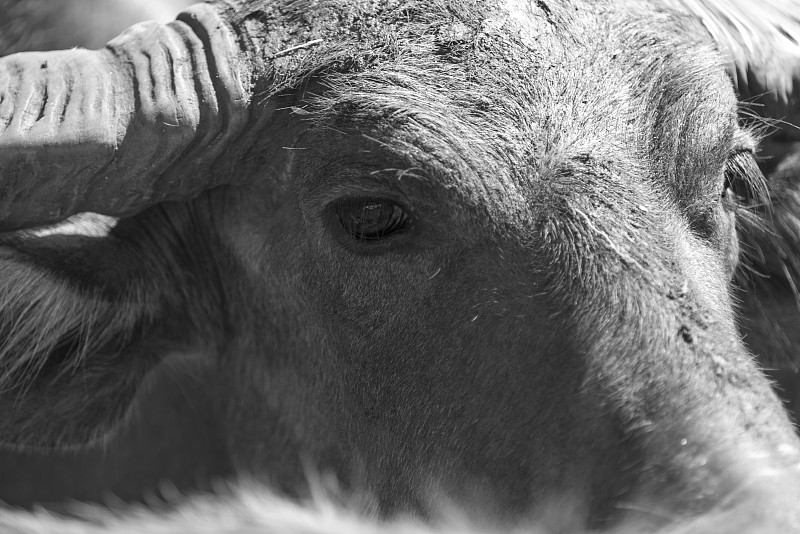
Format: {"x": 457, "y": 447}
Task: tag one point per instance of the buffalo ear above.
{"x": 762, "y": 42}
{"x": 72, "y": 349}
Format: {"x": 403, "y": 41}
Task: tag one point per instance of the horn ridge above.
{"x": 171, "y": 102}
{"x": 227, "y": 75}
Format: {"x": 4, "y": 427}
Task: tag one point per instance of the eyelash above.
{"x": 367, "y": 219}
{"x": 744, "y": 180}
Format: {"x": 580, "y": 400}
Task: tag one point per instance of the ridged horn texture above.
{"x": 115, "y": 130}
{"x": 762, "y": 41}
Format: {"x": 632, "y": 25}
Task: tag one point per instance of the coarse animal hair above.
{"x": 418, "y": 77}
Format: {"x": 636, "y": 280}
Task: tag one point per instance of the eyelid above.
{"x": 744, "y": 141}
{"x": 741, "y": 151}
{"x": 356, "y": 187}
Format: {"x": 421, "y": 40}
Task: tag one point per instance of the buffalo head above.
{"x": 479, "y": 250}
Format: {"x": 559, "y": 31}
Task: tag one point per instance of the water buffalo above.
{"x": 449, "y": 253}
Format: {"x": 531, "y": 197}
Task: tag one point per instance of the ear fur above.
{"x": 83, "y": 319}
{"x": 69, "y": 356}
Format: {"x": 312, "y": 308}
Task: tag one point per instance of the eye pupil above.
{"x": 370, "y": 219}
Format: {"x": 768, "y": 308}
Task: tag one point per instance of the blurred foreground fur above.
{"x": 250, "y": 508}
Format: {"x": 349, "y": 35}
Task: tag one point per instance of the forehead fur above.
{"x": 506, "y": 95}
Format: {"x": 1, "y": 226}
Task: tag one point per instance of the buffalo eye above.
{"x": 370, "y": 219}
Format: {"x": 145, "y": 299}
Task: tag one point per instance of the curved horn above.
{"x": 762, "y": 40}
{"x": 102, "y": 130}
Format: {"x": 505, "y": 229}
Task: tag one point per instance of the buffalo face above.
{"x": 479, "y": 253}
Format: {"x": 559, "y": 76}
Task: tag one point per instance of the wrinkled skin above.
{"x": 554, "y": 319}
